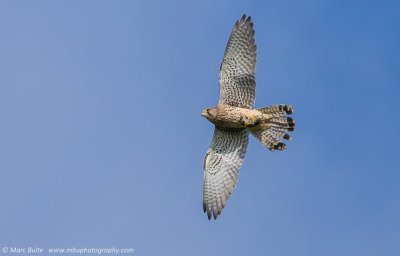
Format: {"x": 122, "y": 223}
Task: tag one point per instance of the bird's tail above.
{"x": 274, "y": 125}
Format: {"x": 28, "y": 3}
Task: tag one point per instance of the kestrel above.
{"x": 234, "y": 117}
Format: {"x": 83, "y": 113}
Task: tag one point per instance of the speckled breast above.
{"x": 234, "y": 117}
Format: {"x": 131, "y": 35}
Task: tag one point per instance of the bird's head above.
{"x": 210, "y": 113}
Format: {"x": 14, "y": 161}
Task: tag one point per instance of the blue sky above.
{"x": 102, "y": 141}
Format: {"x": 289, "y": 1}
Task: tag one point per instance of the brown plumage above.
{"x": 234, "y": 117}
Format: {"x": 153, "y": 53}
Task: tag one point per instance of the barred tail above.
{"x": 277, "y": 110}
{"x": 274, "y": 127}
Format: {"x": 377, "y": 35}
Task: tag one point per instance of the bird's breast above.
{"x": 235, "y": 117}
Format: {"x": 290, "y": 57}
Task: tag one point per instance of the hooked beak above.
{"x": 204, "y": 113}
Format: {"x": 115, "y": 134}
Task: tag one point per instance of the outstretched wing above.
{"x": 221, "y": 168}
{"x": 237, "y": 72}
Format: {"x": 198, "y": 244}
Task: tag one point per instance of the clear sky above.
{"x": 102, "y": 141}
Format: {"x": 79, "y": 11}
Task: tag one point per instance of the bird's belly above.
{"x": 233, "y": 117}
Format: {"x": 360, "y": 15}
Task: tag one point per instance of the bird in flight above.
{"x": 235, "y": 117}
